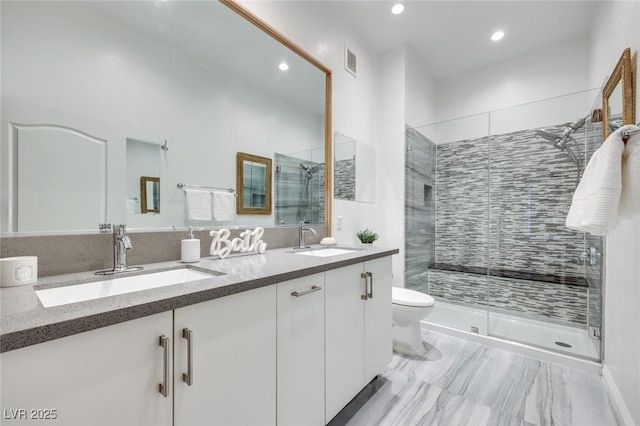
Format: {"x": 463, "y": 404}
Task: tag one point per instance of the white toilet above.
{"x": 409, "y": 307}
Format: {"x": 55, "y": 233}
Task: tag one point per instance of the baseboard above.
{"x": 619, "y": 407}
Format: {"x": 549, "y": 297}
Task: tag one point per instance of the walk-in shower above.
{"x": 299, "y": 187}
{"x": 486, "y": 201}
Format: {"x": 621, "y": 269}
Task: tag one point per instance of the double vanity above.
{"x": 288, "y": 337}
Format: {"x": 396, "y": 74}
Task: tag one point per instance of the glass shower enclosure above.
{"x": 486, "y": 201}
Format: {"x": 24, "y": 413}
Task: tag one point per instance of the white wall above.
{"x": 390, "y": 127}
{"x": 559, "y": 70}
{"x": 616, "y": 29}
{"x": 420, "y": 92}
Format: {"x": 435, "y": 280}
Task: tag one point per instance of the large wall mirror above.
{"x": 618, "y": 96}
{"x": 354, "y": 170}
{"x": 203, "y": 76}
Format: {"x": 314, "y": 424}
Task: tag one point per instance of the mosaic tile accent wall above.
{"x": 532, "y": 299}
{"x": 345, "y": 179}
{"x": 420, "y": 238}
{"x": 530, "y": 185}
{"x": 297, "y": 198}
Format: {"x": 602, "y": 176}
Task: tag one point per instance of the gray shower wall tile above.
{"x": 293, "y": 202}
{"x": 420, "y": 168}
{"x": 531, "y": 186}
{"x": 462, "y": 203}
{"x": 532, "y": 299}
{"x": 345, "y": 179}
{"x": 516, "y": 182}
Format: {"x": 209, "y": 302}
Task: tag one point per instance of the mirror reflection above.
{"x": 150, "y": 194}
{"x": 300, "y": 187}
{"x": 253, "y": 184}
{"x": 195, "y": 74}
{"x": 143, "y": 177}
{"x": 354, "y": 170}
{"x": 60, "y": 180}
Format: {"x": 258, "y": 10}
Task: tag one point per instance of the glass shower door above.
{"x": 446, "y": 218}
{"x": 538, "y": 293}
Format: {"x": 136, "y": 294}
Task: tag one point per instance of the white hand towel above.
{"x": 594, "y": 207}
{"x": 197, "y": 204}
{"x": 223, "y": 206}
{"x": 630, "y": 197}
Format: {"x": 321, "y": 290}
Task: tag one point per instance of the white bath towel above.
{"x": 197, "y": 204}
{"x": 595, "y": 203}
{"x": 223, "y": 206}
{"x": 630, "y": 197}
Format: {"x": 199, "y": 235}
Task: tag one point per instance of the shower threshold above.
{"x": 535, "y": 339}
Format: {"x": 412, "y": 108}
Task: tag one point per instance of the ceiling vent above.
{"x": 350, "y": 62}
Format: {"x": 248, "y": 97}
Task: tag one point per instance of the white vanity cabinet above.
{"x": 107, "y": 376}
{"x": 290, "y": 354}
{"x": 358, "y": 334}
{"x": 300, "y": 383}
{"x": 225, "y": 360}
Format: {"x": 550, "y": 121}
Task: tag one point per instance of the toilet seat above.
{"x": 407, "y": 297}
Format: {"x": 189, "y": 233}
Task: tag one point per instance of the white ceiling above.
{"x": 452, "y": 37}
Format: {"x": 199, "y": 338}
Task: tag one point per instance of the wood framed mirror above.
{"x": 149, "y": 194}
{"x": 618, "y": 102}
{"x": 253, "y": 184}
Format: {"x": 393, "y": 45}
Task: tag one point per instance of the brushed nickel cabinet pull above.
{"x": 365, "y": 296}
{"x": 302, "y": 293}
{"x": 164, "y": 386}
{"x": 188, "y": 376}
{"x": 370, "y": 276}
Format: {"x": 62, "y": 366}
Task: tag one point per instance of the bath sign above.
{"x": 248, "y": 242}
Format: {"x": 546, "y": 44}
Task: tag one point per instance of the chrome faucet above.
{"x": 121, "y": 243}
{"x": 301, "y": 230}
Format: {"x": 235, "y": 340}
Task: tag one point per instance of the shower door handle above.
{"x": 499, "y": 233}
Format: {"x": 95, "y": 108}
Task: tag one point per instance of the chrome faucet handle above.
{"x": 126, "y": 241}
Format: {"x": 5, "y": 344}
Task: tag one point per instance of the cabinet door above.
{"x": 107, "y": 376}
{"x": 378, "y": 341}
{"x": 301, "y": 351}
{"x": 344, "y": 336}
{"x": 233, "y": 361}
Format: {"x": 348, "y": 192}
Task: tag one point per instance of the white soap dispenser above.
{"x": 190, "y": 249}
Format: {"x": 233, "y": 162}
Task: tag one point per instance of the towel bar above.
{"x": 184, "y": 186}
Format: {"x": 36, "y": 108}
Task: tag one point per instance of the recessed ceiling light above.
{"x": 397, "y": 8}
{"x": 497, "y": 35}
{"x": 283, "y": 66}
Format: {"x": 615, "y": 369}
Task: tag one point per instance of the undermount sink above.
{"x": 325, "y": 252}
{"x": 120, "y": 285}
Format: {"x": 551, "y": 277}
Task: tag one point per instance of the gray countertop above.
{"x": 24, "y": 321}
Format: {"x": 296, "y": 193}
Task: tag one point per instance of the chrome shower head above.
{"x": 309, "y": 170}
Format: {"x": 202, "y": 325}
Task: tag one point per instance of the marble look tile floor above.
{"x": 458, "y": 383}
